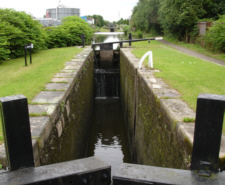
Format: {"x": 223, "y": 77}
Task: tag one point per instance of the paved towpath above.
{"x": 193, "y": 53}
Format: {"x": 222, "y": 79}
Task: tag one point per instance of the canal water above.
{"x": 108, "y": 137}
{"x": 108, "y": 37}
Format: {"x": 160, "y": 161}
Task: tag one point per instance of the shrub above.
{"x": 139, "y": 34}
{"x": 126, "y": 29}
{"x": 69, "y": 33}
{"x": 75, "y": 27}
{"x": 215, "y": 37}
{"x": 57, "y": 37}
{"x": 17, "y": 29}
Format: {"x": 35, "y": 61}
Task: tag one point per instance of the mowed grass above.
{"x": 189, "y": 75}
{"x": 16, "y": 79}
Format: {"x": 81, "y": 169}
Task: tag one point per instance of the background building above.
{"x": 60, "y": 12}
{"x": 54, "y": 15}
{"x": 49, "y": 21}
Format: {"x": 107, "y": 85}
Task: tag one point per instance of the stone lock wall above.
{"x": 153, "y": 131}
{"x": 68, "y": 139}
{"x": 154, "y": 114}
{"x": 60, "y": 115}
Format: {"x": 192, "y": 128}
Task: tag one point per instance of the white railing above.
{"x": 150, "y": 60}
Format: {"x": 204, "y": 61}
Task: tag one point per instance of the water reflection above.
{"x": 108, "y": 37}
{"x": 108, "y": 135}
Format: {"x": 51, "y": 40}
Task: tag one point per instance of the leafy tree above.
{"x": 215, "y": 37}
{"x": 123, "y": 21}
{"x": 75, "y": 27}
{"x": 4, "y": 51}
{"x": 126, "y": 29}
{"x": 17, "y": 29}
{"x": 145, "y": 15}
{"x": 178, "y": 17}
{"x": 99, "y": 21}
{"x": 213, "y": 9}
{"x": 57, "y": 37}
{"x": 69, "y": 33}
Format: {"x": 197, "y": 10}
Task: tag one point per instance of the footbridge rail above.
{"x": 124, "y": 41}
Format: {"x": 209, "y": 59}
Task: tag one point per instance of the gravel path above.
{"x": 193, "y": 53}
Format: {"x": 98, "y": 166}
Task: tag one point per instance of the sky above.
{"x": 111, "y": 10}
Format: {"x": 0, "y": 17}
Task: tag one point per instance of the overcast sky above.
{"x": 111, "y": 10}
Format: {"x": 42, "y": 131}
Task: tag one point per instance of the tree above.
{"x": 213, "y": 9}
{"x": 99, "y": 21}
{"x": 57, "y": 37}
{"x": 75, "y": 27}
{"x": 178, "y": 17}
{"x": 215, "y": 37}
{"x": 123, "y": 21}
{"x": 145, "y": 16}
{"x": 17, "y": 29}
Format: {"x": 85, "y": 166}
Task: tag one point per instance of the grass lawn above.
{"x": 189, "y": 75}
{"x": 16, "y": 79}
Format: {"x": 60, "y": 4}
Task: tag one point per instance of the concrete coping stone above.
{"x": 67, "y": 71}
{"x": 74, "y": 63}
{"x": 36, "y": 152}
{"x": 79, "y": 57}
{"x": 42, "y": 109}
{"x": 38, "y": 125}
{"x": 49, "y": 97}
{"x": 62, "y": 80}
{"x": 57, "y": 86}
{"x": 65, "y": 75}
{"x": 164, "y": 92}
{"x": 170, "y": 100}
{"x": 178, "y": 109}
{"x": 41, "y": 127}
{"x": 70, "y": 67}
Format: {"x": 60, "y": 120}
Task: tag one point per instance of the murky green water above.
{"x": 108, "y": 138}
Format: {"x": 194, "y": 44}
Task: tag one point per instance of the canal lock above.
{"x": 108, "y": 137}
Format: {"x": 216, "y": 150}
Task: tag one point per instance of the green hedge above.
{"x": 215, "y": 37}
{"x": 19, "y": 28}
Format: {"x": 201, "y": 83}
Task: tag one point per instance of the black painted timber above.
{"x": 16, "y": 130}
{"x": 77, "y": 172}
{"x": 208, "y": 132}
{"x": 133, "y": 174}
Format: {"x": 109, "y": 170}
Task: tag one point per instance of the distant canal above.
{"x": 108, "y": 37}
{"x": 108, "y": 137}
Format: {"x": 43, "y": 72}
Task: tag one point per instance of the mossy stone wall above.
{"x": 152, "y": 133}
{"x": 74, "y": 113}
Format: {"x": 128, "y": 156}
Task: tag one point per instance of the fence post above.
{"x": 25, "y": 54}
{"x": 130, "y": 38}
{"x": 16, "y": 130}
{"x": 208, "y": 131}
